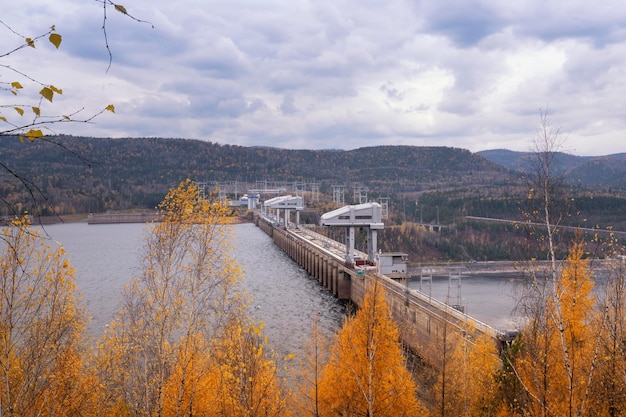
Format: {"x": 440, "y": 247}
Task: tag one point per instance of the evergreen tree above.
{"x": 366, "y": 373}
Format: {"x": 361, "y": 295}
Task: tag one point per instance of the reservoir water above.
{"x": 285, "y": 298}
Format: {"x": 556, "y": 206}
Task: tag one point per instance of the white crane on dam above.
{"x": 366, "y": 215}
{"x": 286, "y": 204}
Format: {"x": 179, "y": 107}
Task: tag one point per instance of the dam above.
{"x": 422, "y": 320}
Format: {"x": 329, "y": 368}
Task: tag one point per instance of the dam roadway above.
{"x": 423, "y": 322}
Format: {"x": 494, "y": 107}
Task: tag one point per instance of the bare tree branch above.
{"x": 121, "y": 9}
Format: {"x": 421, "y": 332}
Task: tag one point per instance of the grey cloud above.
{"x": 465, "y": 23}
{"x": 223, "y": 106}
{"x": 392, "y": 92}
{"x": 288, "y": 105}
{"x": 597, "y": 23}
{"x": 284, "y": 80}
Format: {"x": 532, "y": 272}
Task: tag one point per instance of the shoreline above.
{"x": 144, "y": 216}
{"x": 500, "y": 267}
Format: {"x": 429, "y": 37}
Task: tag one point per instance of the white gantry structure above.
{"x": 361, "y": 215}
{"x": 284, "y": 203}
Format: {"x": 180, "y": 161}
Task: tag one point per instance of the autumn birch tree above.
{"x": 560, "y": 359}
{"x": 441, "y": 369}
{"x": 42, "y": 324}
{"x": 609, "y": 394}
{"x": 244, "y": 374}
{"x": 177, "y": 310}
{"x": 559, "y": 344}
{"x": 546, "y": 188}
{"x": 545, "y": 201}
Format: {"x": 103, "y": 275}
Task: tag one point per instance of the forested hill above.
{"x": 95, "y": 174}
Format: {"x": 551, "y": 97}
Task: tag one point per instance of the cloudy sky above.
{"x": 322, "y": 74}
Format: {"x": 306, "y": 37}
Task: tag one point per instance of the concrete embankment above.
{"x": 470, "y": 268}
{"x": 103, "y": 218}
{"x": 500, "y": 267}
{"x": 121, "y": 218}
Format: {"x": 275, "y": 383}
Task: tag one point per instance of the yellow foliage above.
{"x": 246, "y": 376}
{"x": 559, "y": 359}
{"x": 365, "y": 374}
{"x": 55, "y": 39}
{"x": 33, "y": 134}
{"x": 42, "y": 324}
{"x": 158, "y": 351}
{"x": 47, "y": 93}
{"x": 470, "y": 378}
{"x": 121, "y": 9}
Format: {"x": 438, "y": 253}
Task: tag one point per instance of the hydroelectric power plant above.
{"x": 345, "y": 272}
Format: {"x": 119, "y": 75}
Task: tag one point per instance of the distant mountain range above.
{"x": 590, "y": 171}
